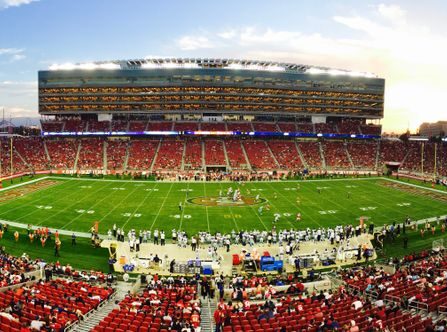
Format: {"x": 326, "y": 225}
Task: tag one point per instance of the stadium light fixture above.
{"x": 150, "y": 65}
{"x": 109, "y": 66}
{"x": 315, "y": 71}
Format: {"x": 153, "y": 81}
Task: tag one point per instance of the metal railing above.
{"x": 418, "y": 306}
{"x": 391, "y": 298}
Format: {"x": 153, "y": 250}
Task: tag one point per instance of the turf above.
{"x": 74, "y": 204}
{"x": 76, "y": 256}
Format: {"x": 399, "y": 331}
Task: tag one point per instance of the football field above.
{"x": 75, "y": 204}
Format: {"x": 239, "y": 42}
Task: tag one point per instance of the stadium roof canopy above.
{"x": 191, "y": 63}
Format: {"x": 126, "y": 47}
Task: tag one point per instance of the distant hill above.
{"x": 25, "y": 121}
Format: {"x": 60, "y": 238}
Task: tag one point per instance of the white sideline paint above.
{"x": 61, "y": 231}
{"x": 416, "y": 186}
{"x": 25, "y": 183}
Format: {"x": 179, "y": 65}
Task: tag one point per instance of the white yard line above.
{"x": 183, "y": 207}
{"x": 297, "y": 206}
{"x": 140, "y": 205}
{"x": 161, "y": 207}
{"x": 41, "y": 197}
{"x": 91, "y": 207}
{"x": 71, "y": 205}
{"x": 391, "y": 207}
{"x": 287, "y": 218}
{"x": 118, "y": 205}
{"x": 206, "y": 209}
{"x": 229, "y": 209}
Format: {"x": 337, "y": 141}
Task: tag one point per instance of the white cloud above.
{"x": 190, "y": 43}
{"x": 24, "y": 93}
{"x": 9, "y": 51}
{"x": 408, "y": 55}
{"x": 18, "y": 112}
{"x": 13, "y": 54}
{"x": 17, "y": 57}
{"x": 392, "y": 12}
{"x": 14, "y": 3}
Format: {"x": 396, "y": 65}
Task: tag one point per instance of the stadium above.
{"x": 200, "y": 194}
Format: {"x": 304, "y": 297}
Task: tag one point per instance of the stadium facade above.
{"x": 220, "y": 89}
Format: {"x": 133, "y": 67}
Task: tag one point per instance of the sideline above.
{"x": 61, "y": 231}
{"x": 416, "y": 186}
{"x": 25, "y": 183}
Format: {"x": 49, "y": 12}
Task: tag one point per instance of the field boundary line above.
{"x": 34, "y": 201}
{"x": 24, "y": 183}
{"x": 413, "y": 200}
{"x": 61, "y": 231}
{"x": 416, "y": 186}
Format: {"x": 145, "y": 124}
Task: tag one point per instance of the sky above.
{"x": 403, "y": 41}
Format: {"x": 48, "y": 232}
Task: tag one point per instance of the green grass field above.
{"x": 74, "y": 204}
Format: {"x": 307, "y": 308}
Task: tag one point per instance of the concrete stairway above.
{"x": 323, "y": 160}
{"x": 246, "y": 156}
{"x": 155, "y": 156}
{"x": 182, "y": 166}
{"x": 75, "y": 166}
{"x": 345, "y": 146}
{"x": 46, "y": 150}
{"x": 92, "y": 320}
{"x": 104, "y": 156}
{"x": 126, "y": 158}
{"x": 376, "y": 167}
{"x": 227, "y": 160}
{"x": 207, "y": 315}
{"x": 202, "y": 144}
{"x": 272, "y": 155}
{"x": 303, "y": 160}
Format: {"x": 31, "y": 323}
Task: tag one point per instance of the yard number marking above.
{"x": 129, "y": 215}
{"x": 44, "y": 207}
{"x": 368, "y": 208}
{"x": 328, "y": 212}
{"x": 85, "y": 211}
{"x": 178, "y": 216}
